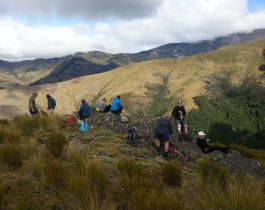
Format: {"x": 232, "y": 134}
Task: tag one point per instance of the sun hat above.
{"x": 201, "y": 133}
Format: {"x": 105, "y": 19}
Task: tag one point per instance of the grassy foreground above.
{"x": 47, "y": 165}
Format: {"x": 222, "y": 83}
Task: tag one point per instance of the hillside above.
{"x": 188, "y": 79}
{"x": 46, "y": 71}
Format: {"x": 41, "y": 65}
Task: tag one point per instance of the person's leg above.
{"x": 221, "y": 149}
{"x": 178, "y": 126}
{"x": 158, "y": 147}
{"x": 185, "y": 127}
{"x": 166, "y": 149}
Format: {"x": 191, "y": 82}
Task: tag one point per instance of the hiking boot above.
{"x": 158, "y": 150}
{"x": 165, "y": 155}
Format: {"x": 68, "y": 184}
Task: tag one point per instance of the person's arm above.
{"x": 81, "y": 108}
{"x": 184, "y": 112}
{"x": 31, "y": 104}
{"x": 174, "y": 112}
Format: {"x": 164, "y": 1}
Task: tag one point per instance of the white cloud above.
{"x": 174, "y": 21}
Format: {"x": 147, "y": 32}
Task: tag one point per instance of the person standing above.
{"x": 51, "y": 105}
{"x": 33, "y": 109}
{"x": 179, "y": 113}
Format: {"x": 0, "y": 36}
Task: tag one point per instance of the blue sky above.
{"x": 48, "y": 28}
{"x": 256, "y": 5}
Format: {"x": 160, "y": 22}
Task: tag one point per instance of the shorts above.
{"x": 181, "y": 122}
{"x": 36, "y": 111}
{"x": 162, "y": 135}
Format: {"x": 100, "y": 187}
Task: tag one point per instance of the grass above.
{"x": 240, "y": 194}
{"x": 172, "y": 174}
{"x": 213, "y": 173}
{"x": 130, "y": 167}
{"x": 55, "y": 144}
{"x": 11, "y": 155}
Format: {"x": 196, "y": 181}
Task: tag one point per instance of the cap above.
{"x": 201, "y": 133}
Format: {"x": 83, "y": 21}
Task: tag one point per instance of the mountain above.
{"x": 45, "y": 71}
{"x": 189, "y": 77}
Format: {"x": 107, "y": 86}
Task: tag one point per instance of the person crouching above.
{"x": 163, "y": 133}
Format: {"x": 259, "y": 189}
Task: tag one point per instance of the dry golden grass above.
{"x": 188, "y": 78}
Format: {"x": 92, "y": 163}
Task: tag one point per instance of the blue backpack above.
{"x": 84, "y": 127}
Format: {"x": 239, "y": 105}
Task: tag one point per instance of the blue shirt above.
{"x": 85, "y": 110}
{"x": 116, "y": 104}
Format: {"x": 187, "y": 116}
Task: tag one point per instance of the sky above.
{"x": 50, "y": 28}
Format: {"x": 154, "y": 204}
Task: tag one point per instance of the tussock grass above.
{"x": 130, "y": 167}
{"x": 54, "y": 172}
{"x": 154, "y": 200}
{"x": 246, "y": 194}
{"x": 55, "y": 144}
{"x": 213, "y": 173}
{"x": 26, "y": 204}
{"x": 11, "y": 155}
{"x": 172, "y": 174}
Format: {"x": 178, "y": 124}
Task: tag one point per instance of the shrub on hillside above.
{"x": 4, "y": 122}
{"x": 55, "y": 144}
{"x": 11, "y": 155}
{"x": 230, "y": 113}
{"x": 213, "y": 173}
{"x": 130, "y": 167}
{"x": 172, "y": 174}
{"x": 161, "y": 99}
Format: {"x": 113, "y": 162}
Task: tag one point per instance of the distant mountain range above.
{"x": 46, "y": 71}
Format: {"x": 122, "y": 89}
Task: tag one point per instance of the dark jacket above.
{"x": 176, "y": 112}
{"x": 51, "y": 103}
{"x": 202, "y": 142}
{"x": 164, "y": 124}
{"x": 85, "y": 110}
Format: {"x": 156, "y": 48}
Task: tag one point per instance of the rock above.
{"x": 124, "y": 119}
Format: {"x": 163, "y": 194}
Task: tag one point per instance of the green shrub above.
{"x": 172, "y": 174}
{"x": 230, "y": 113}
{"x": 55, "y": 144}
{"x": 213, "y": 173}
{"x": 11, "y": 155}
{"x": 161, "y": 98}
{"x": 55, "y": 172}
{"x": 130, "y": 167}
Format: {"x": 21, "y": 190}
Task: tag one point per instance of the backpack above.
{"x": 84, "y": 127}
{"x": 133, "y": 136}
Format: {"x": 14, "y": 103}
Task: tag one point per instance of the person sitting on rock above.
{"x": 163, "y": 133}
{"x": 84, "y": 111}
{"x": 202, "y": 142}
{"x": 51, "y": 105}
{"x": 179, "y": 113}
{"x": 117, "y": 106}
{"x": 33, "y": 109}
{"x": 101, "y": 105}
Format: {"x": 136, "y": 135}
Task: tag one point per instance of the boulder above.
{"x": 262, "y": 67}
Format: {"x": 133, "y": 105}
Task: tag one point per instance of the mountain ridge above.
{"x": 45, "y": 71}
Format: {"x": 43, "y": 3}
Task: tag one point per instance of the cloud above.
{"x": 95, "y": 9}
{"x": 173, "y": 21}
